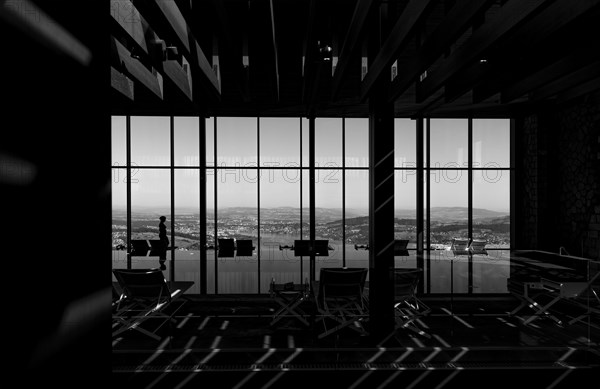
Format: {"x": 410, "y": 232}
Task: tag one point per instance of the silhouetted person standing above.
{"x": 162, "y": 235}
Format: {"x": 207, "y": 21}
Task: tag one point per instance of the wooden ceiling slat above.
{"x": 175, "y": 19}
{"x": 121, "y": 83}
{"x": 136, "y": 69}
{"x": 138, "y": 30}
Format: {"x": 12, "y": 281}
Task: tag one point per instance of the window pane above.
{"x": 119, "y": 219}
{"x": 187, "y": 141}
{"x": 305, "y": 143}
{"x": 357, "y": 217}
{"x": 449, "y": 207}
{"x": 405, "y": 141}
{"x": 236, "y": 142}
{"x": 328, "y": 215}
{"x": 150, "y": 141}
{"x": 150, "y": 199}
{"x": 491, "y": 143}
{"x": 210, "y": 231}
{"x": 187, "y": 227}
{"x": 357, "y": 142}
{"x": 210, "y": 141}
{"x": 491, "y": 272}
{"x": 405, "y": 216}
{"x": 328, "y": 142}
{"x": 280, "y": 226}
{"x": 279, "y": 142}
{"x": 237, "y": 218}
{"x": 118, "y": 141}
{"x": 449, "y": 138}
{"x": 449, "y": 219}
{"x": 491, "y": 207}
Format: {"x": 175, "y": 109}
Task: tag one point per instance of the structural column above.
{"x": 381, "y": 215}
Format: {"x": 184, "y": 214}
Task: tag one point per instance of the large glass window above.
{"x": 257, "y": 189}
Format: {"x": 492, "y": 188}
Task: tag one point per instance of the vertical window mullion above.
{"x": 258, "y": 171}
{"x": 344, "y": 192}
{"x": 128, "y": 185}
{"x": 470, "y": 200}
{"x": 202, "y": 201}
{"x": 172, "y": 170}
{"x": 301, "y": 187}
{"x": 215, "y": 203}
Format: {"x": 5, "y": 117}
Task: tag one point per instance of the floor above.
{"x": 230, "y": 342}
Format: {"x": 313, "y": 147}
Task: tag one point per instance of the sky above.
{"x": 283, "y": 147}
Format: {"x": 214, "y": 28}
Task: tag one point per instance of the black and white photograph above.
{"x": 301, "y": 193}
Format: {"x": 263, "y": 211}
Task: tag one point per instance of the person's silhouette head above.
{"x": 162, "y": 219}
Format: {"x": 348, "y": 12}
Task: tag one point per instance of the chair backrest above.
{"x": 400, "y": 247}
{"x": 477, "y": 246}
{"x": 225, "y": 247}
{"x": 321, "y": 247}
{"x": 405, "y": 282}
{"x": 460, "y": 246}
{"x": 244, "y": 247}
{"x": 143, "y": 283}
{"x": 342, "y": 282}
{"x": 301, "y": 248}
{"x": 139, "y": 247}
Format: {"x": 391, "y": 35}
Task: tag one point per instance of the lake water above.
{"x": 444, "y": 273}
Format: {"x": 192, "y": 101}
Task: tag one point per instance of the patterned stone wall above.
{"x": 580, "y": 179}
{"x": 527, "y": 183}
{"x": 557, "y": 192}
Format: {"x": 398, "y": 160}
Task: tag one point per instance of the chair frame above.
{"x": 408, "y": 308}
{"x": 457, "y": 246}
{"x": 339, "y": 296}
{"x": 145, "y": 295}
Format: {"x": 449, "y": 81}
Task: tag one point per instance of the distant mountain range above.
{"x": 438, "y": 214}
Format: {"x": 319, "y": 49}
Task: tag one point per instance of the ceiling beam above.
{"x": 351, "y": 42}
{"x": 509, "y": 17}
{"x": 226, "y": 26}
{"x": 459, "y": 18}
{"x": 587, "y": 73}
{"x": 274, "y": 47}
{"x": 399, "y": 36}
{"x": 578, "y": 91}
{"x": 311, "y": 72}
{"x": 548, "y": 74}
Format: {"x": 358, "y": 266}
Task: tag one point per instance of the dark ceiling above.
{"x": 431, "y": 58}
